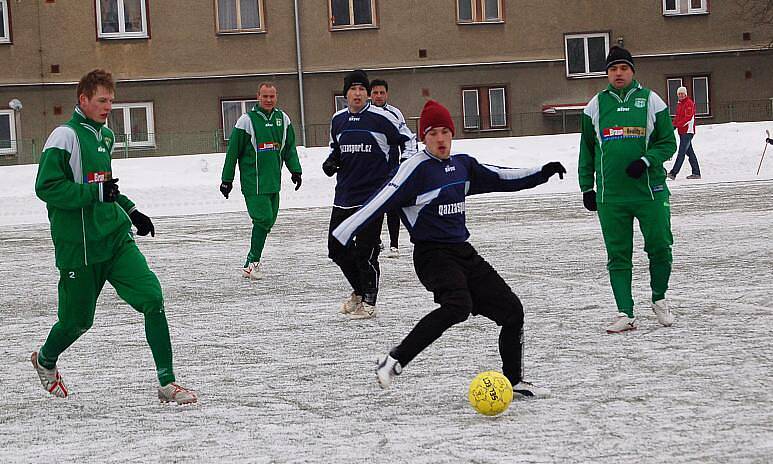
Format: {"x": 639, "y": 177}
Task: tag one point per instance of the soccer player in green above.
{"x": 262, "y": 140}
{"x": 626, "y": 137}
{"x": 91, "y": 229}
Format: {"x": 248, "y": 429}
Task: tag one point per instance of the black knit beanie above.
{"x": 619, "y": 55}
{"x": 358, "y": 76}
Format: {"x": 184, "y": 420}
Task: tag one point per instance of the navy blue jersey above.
{"x": 366, "y": 146}
{"x": 430, "y": 193}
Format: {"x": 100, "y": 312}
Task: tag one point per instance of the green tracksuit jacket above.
{"x": 75, "y": 161}
{"x": 618, "y": 127}
{"x": 261, "y": 142}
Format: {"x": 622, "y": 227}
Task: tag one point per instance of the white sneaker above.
{"x": 663, "y": 312}
{"x": 622, "y": 323}
{"x": 350, "y": 304}
{"x": 177, "y": 394}
{"x": 528, "y": 390}
{"x": 363, "y": 311}
{"x": 252, "y": 271}
{"x": 394, "y": 252}
{"x": 387, "y": 368}
{"x": 49, "y": 378}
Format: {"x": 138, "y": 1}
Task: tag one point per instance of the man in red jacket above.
{"x": 684, "y": 122}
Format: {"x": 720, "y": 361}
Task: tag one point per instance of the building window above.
{"x": 479, "y": 11}
{"x": 5, "y": 34}
{"x": 697, "y": 88}
{"x": 122, "y": 19}
{"x": 485, "y": 108}
{"x": 7, "y": 132}
{"x": 347, "y": 14}
{"x": 133, "y": 125}
{"x": 685, "y": 7}
{"x": 340, "y": 103}
{"x": 586, "y": 54}
{"x": 232, "y": 110}
{"x": 240, "y": 16}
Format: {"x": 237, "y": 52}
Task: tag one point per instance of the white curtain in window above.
{"x": 465, "y": 10}
{"x": 497, "y": 111}
{"x": 673, "y": 85}
{"x": 363, "y": 13}
{"x": 6, "y": 142}
{"x": 226, "y": 15}
{"x": 109, "y": 15}
{"x": 250, "y": 14}
{"x": 492, "y": 10}
{"x": 139, "y": 122}
{"x": 132, "y": 14}
{"x": 2, "y": 20}
{"x": 700, "y": 94}
{"x": 471, "y": 111}
{"x": 231, "y": 112}
{"x": 340, "y": 12}
{"x": 116, "y": 123}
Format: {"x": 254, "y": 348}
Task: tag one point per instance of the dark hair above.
{"x": 89, "y": 83}
{"x": 376, "y": 82}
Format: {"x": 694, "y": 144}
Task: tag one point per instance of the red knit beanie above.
{"x": 434, "y": 115}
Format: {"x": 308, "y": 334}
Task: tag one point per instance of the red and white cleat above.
{"x": 177, "y": 394}
{"x": 49, "y": 378}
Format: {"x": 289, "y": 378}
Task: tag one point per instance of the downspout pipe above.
{"x": 300, "y": 72}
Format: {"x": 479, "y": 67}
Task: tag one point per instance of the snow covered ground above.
{"x": 282, "y": 378}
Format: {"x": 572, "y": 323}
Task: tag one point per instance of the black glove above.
{"x": 296, "y": 178}
{"x": 636, "y": 169}
{"x": 589, "y": 200}
{"x": 770, "y": 141}
{"x": 142, "y": 223}
{"x": 330, "y": 167}
{"x": 552, "y": 168}
{"x": 225, "y": 188}
{"x": 108, "y": 191}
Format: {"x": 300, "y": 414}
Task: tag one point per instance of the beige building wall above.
{"x": 185, "y": 68}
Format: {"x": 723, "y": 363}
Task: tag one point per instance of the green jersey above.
{"x": 75, "y": 161}
{"x": 619, "y": 127}
{"x": 261, "y": 142}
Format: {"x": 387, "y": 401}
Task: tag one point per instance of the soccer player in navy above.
{"x": 365, "y": 143}
{"x": 430, "y": 190}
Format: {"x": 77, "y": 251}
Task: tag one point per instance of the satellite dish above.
{"x": 15, "y": 104}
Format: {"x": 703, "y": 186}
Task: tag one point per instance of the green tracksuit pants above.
{"x": 617, "y": 226}
{"x": 263, "y": 210}
{"x": 134, "y": 282}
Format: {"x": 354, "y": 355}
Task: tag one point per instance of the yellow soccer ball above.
{"x": 490, "y": 393}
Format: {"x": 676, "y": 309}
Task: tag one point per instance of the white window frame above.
{"x": 491, "y": 108}
{"x": 668, "y": 92}
{"x": 691, "y": 78}
{"x": 477, "y": 110}
{"x": 245, "y": 108}
{"x": 585, "y": 37}
{"x": 373, "y": 17}
{"x": 127, "y": 125}
{"x": 14, "y": 142}
{"x": 478, "y": 20}
{"x": 684, "y": 7}
{"x": 6, "y": 22}
{"x": 122, "y": 34}
{"x": 708, "y": 96}
{"x": 239, "y": 29}
{"x": 340, "y": 102}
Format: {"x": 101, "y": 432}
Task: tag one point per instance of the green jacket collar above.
{"x": 79, "y": 117}
{"x": 266, "y": 114}
{"x": 625, "y": 92}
